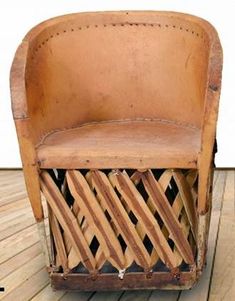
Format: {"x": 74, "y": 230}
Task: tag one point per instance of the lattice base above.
{"x": 122, "y": 222}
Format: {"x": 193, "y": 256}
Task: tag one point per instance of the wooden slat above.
{"x": 96, "y": 218}
{"x": 100, "y": 256}
{"x": 201, "y": 291}
{"x": 187, "y": 199}
{"x": 165, "y": 178}
{"x": 73, "y": 258}
{"x": 67, "y": 221}
{"x": 27, "y": 289}
{"x": 177, "y": 206}
{"x": 139, "y": 227}
{"x": 129, "y": 192}
{"x": 59, "y": 243}
{"x": 186, "y": 230}
{"x": 168, "y": 216}
{"x": 120, "y": 218}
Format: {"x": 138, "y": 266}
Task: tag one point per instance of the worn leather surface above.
{"x": 108, "y": 66}
{"x": 122, "y": 144}
{"x": 116, "y": 66}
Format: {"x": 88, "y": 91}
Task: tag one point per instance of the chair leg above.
{"x": 31, "y": 176}
{"x": 202, "y": 237}
{"x": 43, "y": 239}
{"x": 33, "y": 188}
{"x": 204, "y": 223}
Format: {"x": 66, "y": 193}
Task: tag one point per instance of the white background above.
{"x": 17, "y": 17}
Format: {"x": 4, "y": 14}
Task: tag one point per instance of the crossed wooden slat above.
{"x": 97, "y": 193}
{"x": 177, "y": 206}
{"x": 95, "y": 217}
{"x": 67, "y": 221}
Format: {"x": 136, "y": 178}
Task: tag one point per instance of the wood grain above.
{"x": 114, "y": 120}
{"x": 33, "y": 286}
{"x": 67, "y": 221}
{"x": 96, "y": 218}
{"x": 223, "y": 278}
{"x": 201, "y": 291}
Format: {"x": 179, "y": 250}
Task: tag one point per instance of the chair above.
{"x": 116, "y": 119}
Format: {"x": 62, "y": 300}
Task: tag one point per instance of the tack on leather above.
{"x": 121, "y": 144}
{"x": 116, "y": 117}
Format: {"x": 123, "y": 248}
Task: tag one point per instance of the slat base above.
{"x": 131, "y": 281}
{"x": 123, "y": 229}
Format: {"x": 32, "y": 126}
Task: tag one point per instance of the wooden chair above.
{"x": 116, "y": 118}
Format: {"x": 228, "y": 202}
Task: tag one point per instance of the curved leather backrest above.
{"x": 109, "y": 66}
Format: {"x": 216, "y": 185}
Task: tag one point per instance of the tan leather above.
{"x": 108, "y": 66}
{"x": 94, "y": 67}
{"x": 122, "y": 144}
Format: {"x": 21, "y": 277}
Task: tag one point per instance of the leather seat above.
{"x": 126, "y": 144}
{"x": 96, "y": 94}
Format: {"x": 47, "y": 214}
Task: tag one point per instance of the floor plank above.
{"x": 47, "y": 294}
{"x": 29, "y": 288}
{"x": 19, "y": 276}
{"x": 23, "y": 273}
{"x": 83, "y": 296}
{"x": 136, "y": 295}
{"x": 110, "y": 296}
{"x": 164, "y": 296}
{"x": 19, "y": 259}
{"x": 15, "y": 225}
{"x": 18, "y": 242}
{"x": 10, "y": 214}
{"x": 223, "y": 277}
{"x": 13, "y": 197}
{"x": 14, "y": 207}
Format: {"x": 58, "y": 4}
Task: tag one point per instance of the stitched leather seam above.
{"x": 172, "y": 122}
{"x": 78, "y": 28}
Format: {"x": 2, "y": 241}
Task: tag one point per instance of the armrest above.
{"x": 19, "y": 105}
{"x": 212, "y": 96}
{"x": 23, "y": 128}
{"x": 17, "y": 83}
{"x": 208, "y": 135}
{"x": 20, "y": 102}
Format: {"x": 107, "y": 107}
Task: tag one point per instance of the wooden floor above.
{"x": 22, "y": 270}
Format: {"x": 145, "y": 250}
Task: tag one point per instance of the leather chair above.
{"x": 116, "y": 119}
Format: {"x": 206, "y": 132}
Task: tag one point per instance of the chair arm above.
{"x": 17, "y": 83}
{"x": 212, "y": 98}
{"x": 208, "y": 134}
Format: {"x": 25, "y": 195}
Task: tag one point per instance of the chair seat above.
{"x": 122, "y": 144}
